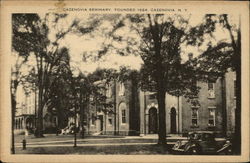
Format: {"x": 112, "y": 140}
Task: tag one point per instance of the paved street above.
{"x": 63, "y": 144}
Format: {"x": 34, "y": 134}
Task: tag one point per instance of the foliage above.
{"x": 221, "y": 57}
{"x": 31, "y": 37}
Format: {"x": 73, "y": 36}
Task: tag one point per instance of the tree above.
{"x": 221, "y": 57}
{"x": 31, "y": 37}
{"x": 16, "y": 79}
{"x": 60, "y": 90}
{"x": 21, "y": 57}
{"x": 158, "y": 42}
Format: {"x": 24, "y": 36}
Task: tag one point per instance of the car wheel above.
{"x": 193, "y": 151}
{"x": 229, "y": 151}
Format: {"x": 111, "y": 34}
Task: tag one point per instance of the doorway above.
{"x": 153, "y": 121}
{"x": 173, "y": 120}
{"x": 100, "y": 123}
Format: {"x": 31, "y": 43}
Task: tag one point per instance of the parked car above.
{"x": 68, "y": 130}
{"x": 202, "y": 142}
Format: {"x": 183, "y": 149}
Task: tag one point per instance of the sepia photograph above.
{"x": 126, "y": 80}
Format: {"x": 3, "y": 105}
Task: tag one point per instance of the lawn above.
{"x": 100, "y": 150}
{"x": 53, "y": 137}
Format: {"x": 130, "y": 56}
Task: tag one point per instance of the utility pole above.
{"x": 35, "y": 109}
{"x": 178, "y": 107}
{"x": 105, "y": 121}
{"x": 115, "y": 108}
{"x": 75, "y": 130}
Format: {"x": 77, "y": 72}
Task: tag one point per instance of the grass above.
{"x": 53, "y": 137}
{"x": 99, "y": 150}
{"x": 134, "y": 149}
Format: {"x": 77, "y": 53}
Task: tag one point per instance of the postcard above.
{"x": 124, "y": 81}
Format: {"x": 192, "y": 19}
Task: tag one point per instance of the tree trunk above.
{"x": 39, "y": 129}
{"x": 237, "y": 135}
{"x": 237, "y": 65}
{"x": 162, "y": 117}
{"x": 13, "y": 90}
{"x": 13, "y": 110}
{"x": 237, "y": 141}
{"x": 224, "y": 106}
{"x": 82, "y": 115}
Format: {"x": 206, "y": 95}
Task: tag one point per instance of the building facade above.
{"x": 123, "y": 117}
{"x": 25, "y": 111}
{"x": 26, "y": 114}
{"x": 213, "y": 109}
{"x": 136, "y": 112}
{"x": 230, "y": 104}
{"x": 149, "y": 114}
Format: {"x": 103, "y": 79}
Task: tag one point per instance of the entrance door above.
{"x": 100, "y": 123}
{"x": 153, "y": 121}
{"x": 173, "y": 121}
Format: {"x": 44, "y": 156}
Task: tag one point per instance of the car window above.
{"x": 197, "y": 136}
{"x": 194, "y": 136}
{"x": 207, "y": 137}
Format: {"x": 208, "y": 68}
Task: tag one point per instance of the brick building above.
{"x": 213, "y": 109}
{"x": 136, "y": 112}
{"x": 230, "y": 104}
{"x": 123, "y": 117}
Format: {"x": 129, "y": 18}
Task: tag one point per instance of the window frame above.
{"x": 110, "y": 121}
{"x": 92, "y": 119}
{"x": 108, "y": 91}
{"x": 235, "y": 88}
{"x": 123, "y": 116}
{"x": 121, "y": 89}
{"x": 211, "y": 92}
{"x": 197, "y": 116}
{"x": 211, "y": 117}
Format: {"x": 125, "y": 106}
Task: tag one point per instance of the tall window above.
{"x": 92, "y": 119}
{"x": 123, "y": 116}
{"x": 110, "y": 121}
{"x": 211, "y": 119}
{"x": 55, "y": 121}
{"x": 121, "y": 89}
{"x": 109, "y": 91}
{"x": 211, "y": 93}
{"x": 194, "y": 115}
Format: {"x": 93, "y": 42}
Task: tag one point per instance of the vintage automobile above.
{"x": 202, "y": 142}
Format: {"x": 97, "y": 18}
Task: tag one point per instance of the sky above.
{"x": 80, "y": 45}
{"x": 82, "y": 48}
{"x": 88, "y": 45}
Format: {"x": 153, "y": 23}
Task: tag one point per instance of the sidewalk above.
{"x": 53, "y": 139}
